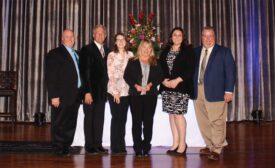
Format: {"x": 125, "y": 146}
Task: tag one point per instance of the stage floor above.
{"x": 250, "y": 145}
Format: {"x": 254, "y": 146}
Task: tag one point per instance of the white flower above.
{"x": 132, "y": 40}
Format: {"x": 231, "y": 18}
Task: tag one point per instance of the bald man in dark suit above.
{"x": 64, "y": 92}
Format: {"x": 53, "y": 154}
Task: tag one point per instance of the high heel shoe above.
{"x": 181, "y": 153}
{"x": 170, "y": 151}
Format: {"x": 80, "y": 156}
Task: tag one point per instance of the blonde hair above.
{"x": 152, "y": 59}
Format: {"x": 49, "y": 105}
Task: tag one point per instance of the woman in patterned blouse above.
{"x": 118, "y": 92}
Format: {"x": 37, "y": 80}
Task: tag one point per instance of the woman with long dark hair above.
{"x": 177, "y": 62}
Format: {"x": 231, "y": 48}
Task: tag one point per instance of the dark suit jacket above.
{"x": 220, "y": 73}
{"x": 61, "y": 76}
{"x": 94, "y": 71}
{"x": 183, "y": 67}
{"x": 133, "y": 75}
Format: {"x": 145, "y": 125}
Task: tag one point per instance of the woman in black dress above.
{"x": 177, "y": 62}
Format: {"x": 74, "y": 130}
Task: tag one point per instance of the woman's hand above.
{"x": 174, "y": 83}
{"x": 166, "y": 83}
{"x": 138, "y": 88}
{"x": 116, "y": 98}
{"x": 148, "y": 87}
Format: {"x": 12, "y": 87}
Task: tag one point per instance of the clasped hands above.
{"x": 143, "y": 88}
{"x": 172, "y": 83}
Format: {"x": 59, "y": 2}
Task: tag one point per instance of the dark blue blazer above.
{"x": 220, "y": 73}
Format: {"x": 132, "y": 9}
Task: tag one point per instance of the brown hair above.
{"x": 209, "y": 28}
{"x": 153, "y": 58}
{"x": 115, "y": 48}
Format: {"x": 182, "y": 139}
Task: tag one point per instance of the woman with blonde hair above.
{"x": 143, "y": 74}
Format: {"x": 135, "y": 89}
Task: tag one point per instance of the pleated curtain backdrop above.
{"x": 30, "y": 28}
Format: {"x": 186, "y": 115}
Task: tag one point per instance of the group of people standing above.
{"x": 95, "y": 75}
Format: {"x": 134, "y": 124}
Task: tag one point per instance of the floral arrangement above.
{"x": 142, "y": 29}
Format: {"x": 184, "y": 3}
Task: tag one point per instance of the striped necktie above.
{"x": 203, "y": 66}
{"x": 102, "y": 51}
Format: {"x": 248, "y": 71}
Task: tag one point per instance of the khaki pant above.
{"x": 211, "y": 117}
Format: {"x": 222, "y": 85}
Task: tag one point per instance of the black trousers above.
{"x": 93, "y": 123}
{"x": 118, "y": 122}
{"x": 63, "y": 124}
{"x": 143, "y": 110}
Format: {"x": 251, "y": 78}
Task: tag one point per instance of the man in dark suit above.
{"x": 214, "y": 81}
{"x": 93, "y": 63}
{"x": 64, "y": 91}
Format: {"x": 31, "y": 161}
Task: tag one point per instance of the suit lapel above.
{"x": 138, "y": 65}
{"x": 66, "y": 53}
{"x": 211, "y": 57}
{"x": 94, "y": 46}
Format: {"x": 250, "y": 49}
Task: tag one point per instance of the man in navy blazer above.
{"x": 214, "y": 81}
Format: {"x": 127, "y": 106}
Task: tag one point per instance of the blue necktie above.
{"x": 76, "y": 58}
{"x": 77, "y": 61}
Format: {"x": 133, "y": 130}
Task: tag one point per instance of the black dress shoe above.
{"x": 146, "y": 153}
{"x": 124, "y": 151}
{"x": 138, "y": 154}
{"x": 62, "y": 152}
{"x": 102, "y": 150}
{"x": 66, "y": 152}
{"x": 119, "y": 152}
{"x": 92, "y": 151}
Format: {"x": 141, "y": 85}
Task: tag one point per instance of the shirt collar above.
{"x": 69, "y": 48}
{"x": 209, "y": 50}
{"x": 98, "y": 45}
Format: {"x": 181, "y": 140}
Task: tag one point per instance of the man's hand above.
{"x": 55, "y": 102}
{"x": 88, "y": 98}
{"x": 228, "y": 97}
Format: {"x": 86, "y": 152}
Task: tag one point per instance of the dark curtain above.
{"x": 30, "y": 28}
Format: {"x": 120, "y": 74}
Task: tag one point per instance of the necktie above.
{"x": 102, "y": 51}
{"x": 77, "y": 68}
{"x": 203, "y": 66}
{"x": 76, "y": 58}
